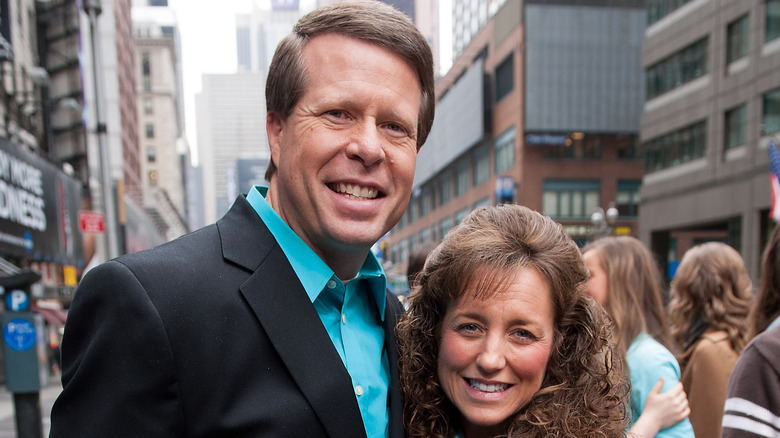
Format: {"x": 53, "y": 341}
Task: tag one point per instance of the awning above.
{"x": 52, "y": 316}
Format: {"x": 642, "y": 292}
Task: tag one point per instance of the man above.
{"x": 275, "y": 321}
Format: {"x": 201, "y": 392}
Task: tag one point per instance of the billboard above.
{"x": 39, "y": 207}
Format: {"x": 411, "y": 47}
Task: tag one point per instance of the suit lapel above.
{"x": 294, "y": 328}
{"x": 290, "y": 321}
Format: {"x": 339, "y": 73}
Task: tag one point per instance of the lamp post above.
{"x": 93, "y": 8}
{"x": 604, "y": 221}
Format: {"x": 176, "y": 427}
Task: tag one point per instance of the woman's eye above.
{"x": 468, "y": 328}
{"x": 525, "y": 334}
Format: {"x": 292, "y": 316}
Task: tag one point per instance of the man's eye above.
{"x": 336, "y": 113}
{"x": 395, "y": 127}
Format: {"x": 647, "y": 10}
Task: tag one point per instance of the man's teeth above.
{"x": 355, "y": 191}
{"x": 488, "y": 388}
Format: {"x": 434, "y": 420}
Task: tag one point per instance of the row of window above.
{"x": 658, "y": 9}
{"x": 561, "y": 200}
{"x": 678, "y": 69}
{"x": 578, "y": 199}
{"x": 675, "y": 148}
{"x": 400, "y": 251}
{"x": 693, "y": 60}
{"x": 455, "y": 180}
{"x": 690, "y": 142}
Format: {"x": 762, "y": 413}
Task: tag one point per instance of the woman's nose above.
{"x": 491, "y": 358}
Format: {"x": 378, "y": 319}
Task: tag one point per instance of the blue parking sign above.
{"x": 19, "y": 334}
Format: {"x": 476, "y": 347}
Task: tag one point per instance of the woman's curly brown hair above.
{"x": 584, "y": 392}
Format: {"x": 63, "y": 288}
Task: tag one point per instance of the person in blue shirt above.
{"x": 276, "y": 321}
{"x": 625, "y": 279}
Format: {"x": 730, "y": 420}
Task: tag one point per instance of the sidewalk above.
{"x": 47, "y": 395}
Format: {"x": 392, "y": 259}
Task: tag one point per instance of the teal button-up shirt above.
{"x": 351, "y": 312}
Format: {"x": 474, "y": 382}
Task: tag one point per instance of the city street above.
{"x": 7, "y": 415}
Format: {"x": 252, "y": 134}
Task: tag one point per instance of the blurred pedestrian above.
{"x": 765, "y": 311}
{"x": 625, "y": 278}
{"x": 417, "y": 261}
{"x": 500, "y": 338}
{"x": 752, "y": 406}
{"x": 710, "y": 299}
{"x": 275, "y": 321}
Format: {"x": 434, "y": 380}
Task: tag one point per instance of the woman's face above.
{"x": 493, "y": 353}
{"x": 598, "y": 284}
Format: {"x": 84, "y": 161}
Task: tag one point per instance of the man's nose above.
{"x": 366, "y": 144}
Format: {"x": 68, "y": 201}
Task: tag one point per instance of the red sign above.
{"x": 90, "y": 221}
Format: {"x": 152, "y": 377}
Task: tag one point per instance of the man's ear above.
{"x": 274, "y": 125}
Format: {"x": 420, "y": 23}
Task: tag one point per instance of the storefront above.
{"x": 39, "y": 226}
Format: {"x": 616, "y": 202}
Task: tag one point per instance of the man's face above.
{"x": 346, "y": 155}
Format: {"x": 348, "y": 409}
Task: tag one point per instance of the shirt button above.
{"x": 331, "y": 284}
{"x": 359, "y": 390}
{"x": 343, "y": 318}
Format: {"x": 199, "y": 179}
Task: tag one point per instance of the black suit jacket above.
{"x": 211, "y": 335}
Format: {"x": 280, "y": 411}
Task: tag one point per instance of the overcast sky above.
{"x": 208, "y": 36}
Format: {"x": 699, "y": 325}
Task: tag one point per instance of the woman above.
{"x": 711, "y": 293}
{"x": 765, "y": 312}
{"x": 625, "y": 279}
{"x": 501, "y": 340}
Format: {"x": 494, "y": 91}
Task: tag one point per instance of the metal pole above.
{"x": 93, "y": 8}
{"x": 28, "y": 415}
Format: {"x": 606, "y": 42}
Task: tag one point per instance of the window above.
{"x": 737, "y": 39}
{"x": 413, "y": 211}
{"x": 772, "y": 30}
{"x": 505, "y": 150}
{"x": 735, "y": 125}
{"x": 627, "y": 147}
{"x": 570, "y": 199}
{"x": 425, "y": 235}
{"x": 578, "y": 146}
{"x": 505, "y": 77}
{"x": 445, "y": 225}
{"x": 678, "y": 69}
{"x": 148, "y": 106}
{"x": 658, "y": 9}
{"x": 771, "y": 115}
{"x": 675, "y": 148}
{"x": 149, "y": 130}
{"x": 151, "y": 155}
{"x": 481, "y": 165}
{"x": 445, "y": 187}
{"x": 146, "y": 71}
{"x": 461, "y": 214}
{"x": 484, "y": 202}
{"x": 462, "y": 177}
{"x": 627, "y": 198}
{"x": 425, "y": 201}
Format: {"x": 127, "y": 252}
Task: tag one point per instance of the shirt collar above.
{"x": 312, "y": 271}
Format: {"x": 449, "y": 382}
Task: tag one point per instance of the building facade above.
{"x": 713, "y": 93}
{"x": 541, "y": 108}
{"x": 230, "y": 113}
{"x": 165, "y": 153}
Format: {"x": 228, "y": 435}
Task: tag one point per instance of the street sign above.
{"x": 19, "y": 334}
{"x": 91, "y": 222}
{"x": 17, "y": 300}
